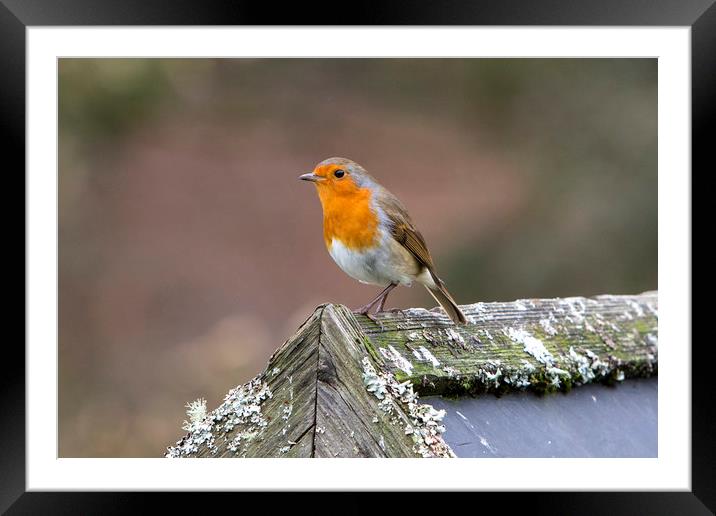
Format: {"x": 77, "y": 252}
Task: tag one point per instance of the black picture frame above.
{"x": 17, "y": 15}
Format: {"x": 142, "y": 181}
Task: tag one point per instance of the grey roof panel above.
{"x": 589, "y": 421}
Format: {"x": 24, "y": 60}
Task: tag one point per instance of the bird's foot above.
{"x": 365, "y": 310}
{"x": 373, "y": 318}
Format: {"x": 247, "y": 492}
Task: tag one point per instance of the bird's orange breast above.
{"x": 349, "y": 217}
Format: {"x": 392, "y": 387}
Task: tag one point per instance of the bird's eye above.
{"x": 339, "y": 173}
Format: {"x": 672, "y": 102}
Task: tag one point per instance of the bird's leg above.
{"x": 385, "y": 296}
{"x": 380, "y": 297}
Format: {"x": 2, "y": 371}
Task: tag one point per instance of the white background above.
{"x": 672, "y": 468}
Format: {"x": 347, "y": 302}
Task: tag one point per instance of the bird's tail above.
{"x": 439, "y": 292}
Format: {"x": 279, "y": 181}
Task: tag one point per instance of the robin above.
{"x": 371, "y": 237}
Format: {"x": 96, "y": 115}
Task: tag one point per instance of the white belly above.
{"x": 373, "y": 266}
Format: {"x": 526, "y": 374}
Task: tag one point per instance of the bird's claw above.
{"x": 366, "y": 312}
{"x": 373, "y": 318}
{"x": 363, "y": 310}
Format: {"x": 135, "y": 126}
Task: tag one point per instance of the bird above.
{"x": 371, "y": 237}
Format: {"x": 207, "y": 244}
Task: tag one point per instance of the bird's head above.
{"x": 339, "y": 176}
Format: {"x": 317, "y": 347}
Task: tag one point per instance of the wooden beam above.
{"x": 322, "y": 395}
{"x": 535, "y": 344}
{"x": 347, "y": 386}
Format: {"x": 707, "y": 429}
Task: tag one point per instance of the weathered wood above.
{"x": 286, "y": 417}
{"x": 312, "y": 401}
{"x": 334, "y": 389}
{"x": 536, "y": 344}
{"x": 345, "y": 408}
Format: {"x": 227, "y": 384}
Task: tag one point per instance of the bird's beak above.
{"x": 311, "y": 177}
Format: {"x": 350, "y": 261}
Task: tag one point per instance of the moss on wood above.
{"x": 542, "y": 345}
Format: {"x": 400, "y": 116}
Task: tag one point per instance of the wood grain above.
{"x": 617, "y": 336}
{"x": 312, "y": 399}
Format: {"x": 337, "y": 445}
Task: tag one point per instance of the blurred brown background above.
{"x": 189, "y": 251}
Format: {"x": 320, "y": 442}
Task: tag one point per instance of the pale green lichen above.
{"x": 532, "y": 345}
{"x": 196, "y": 412}
{"x": 398, "y": 360}
{"x": 547, "y": 325}
{"x": 424, "y": 355}
{"x": 424, "y": 423}
{"x": 374, "y": 383}
{"x": 241, "y": 406}
{"x": 451, "y": 371}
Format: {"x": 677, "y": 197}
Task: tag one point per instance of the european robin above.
{"x": 371, "y": 237}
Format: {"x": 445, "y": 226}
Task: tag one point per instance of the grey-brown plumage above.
{"x": 406, "y": 234}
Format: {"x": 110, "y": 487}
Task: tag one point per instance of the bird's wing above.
{"x": 403, "y": 229}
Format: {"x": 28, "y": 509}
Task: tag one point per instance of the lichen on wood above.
{"x": 347, "y": 386}
{"x": 531, "y": 344}
{"x": 313, "y": 401}
{"x": 281, "y": 417}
